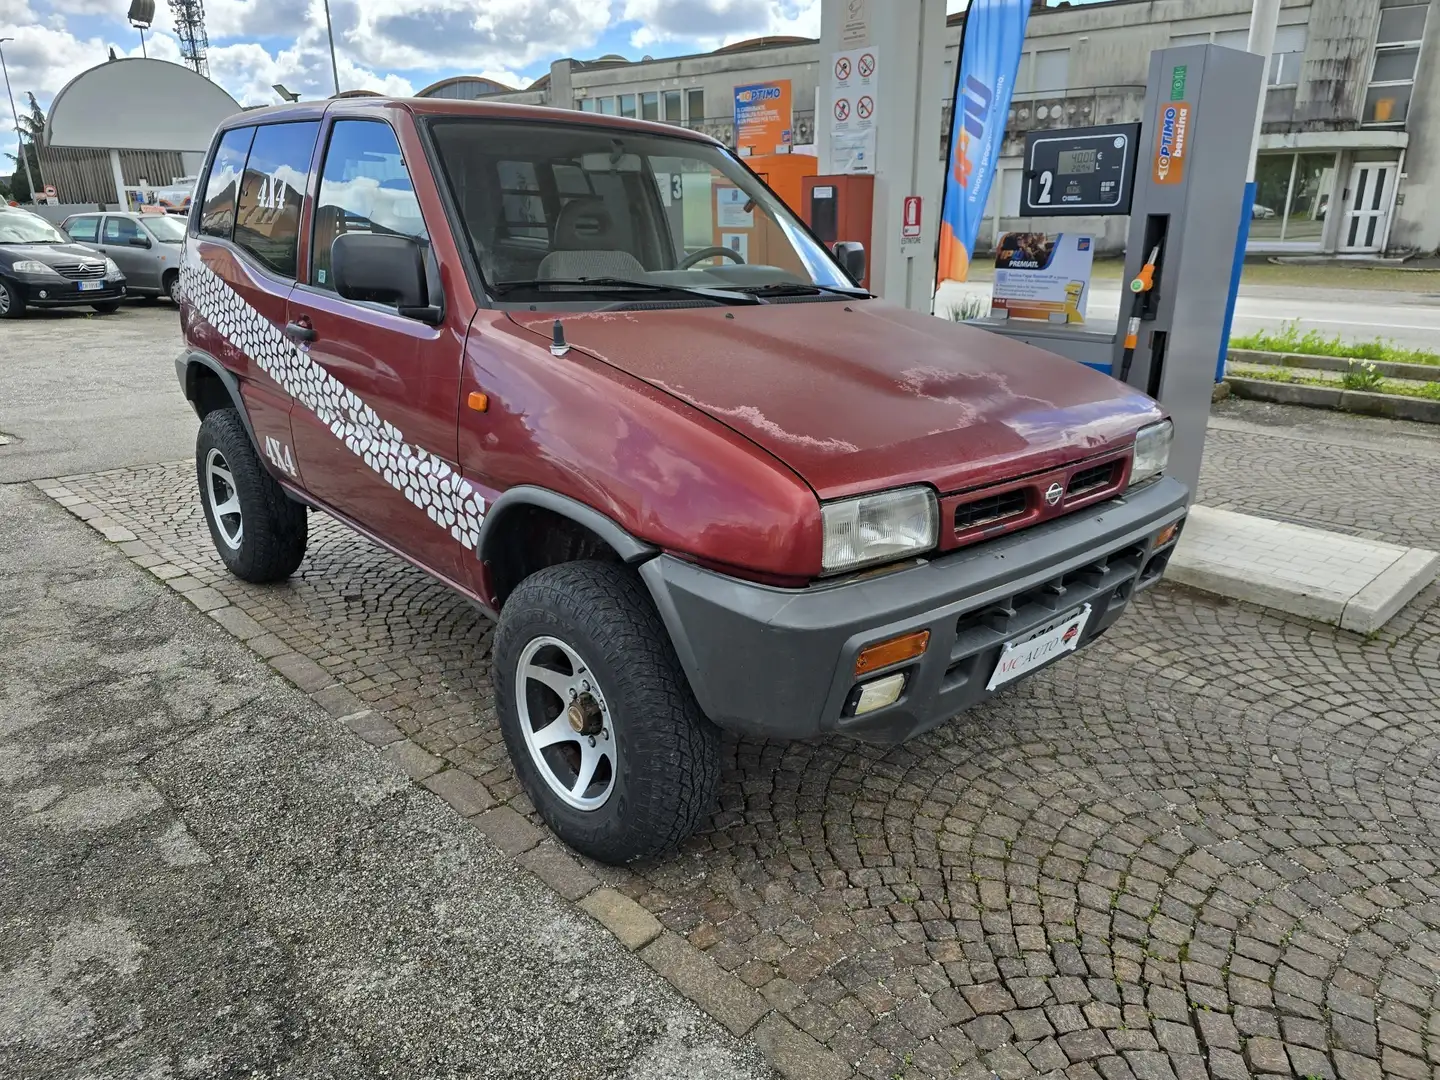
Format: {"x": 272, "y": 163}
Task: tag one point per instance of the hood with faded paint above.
{"x": 861, "y": 396}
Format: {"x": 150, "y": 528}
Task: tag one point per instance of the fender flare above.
{"x": 630, "y": 549}
{"x": 185, "y": 365}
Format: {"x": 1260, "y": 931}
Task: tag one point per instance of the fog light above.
{"x": 881, "y": 692}
{"x": 44, "y": 295}
{"x": 896, "y": 650}
{"x": 1167, "y": 534}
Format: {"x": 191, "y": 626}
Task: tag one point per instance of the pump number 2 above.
{"x": 1047, "y": 178}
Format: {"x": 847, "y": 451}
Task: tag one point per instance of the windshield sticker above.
{"x": 450, "y": 500}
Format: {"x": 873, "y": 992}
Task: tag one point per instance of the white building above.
{"x": 1350, "y": 152}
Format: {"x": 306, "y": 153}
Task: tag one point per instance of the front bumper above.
{"x": 62, "y": 292}
{"x": 779, "y": 663}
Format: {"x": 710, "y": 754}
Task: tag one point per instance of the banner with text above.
{"x": 984, "y": 83}
{"x": 763, "y": 118}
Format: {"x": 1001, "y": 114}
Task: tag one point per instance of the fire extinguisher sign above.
{"x": 910, "y": 220}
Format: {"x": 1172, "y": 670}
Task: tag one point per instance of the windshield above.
{"x": 168, "y": 229}
{"x": 546, "y": 204}
{"x": 23, "y": 227}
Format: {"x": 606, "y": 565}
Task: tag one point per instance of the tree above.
{"x": 32, "y": 128}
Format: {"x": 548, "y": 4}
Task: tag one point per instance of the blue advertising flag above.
{"x": 984, "y": 83}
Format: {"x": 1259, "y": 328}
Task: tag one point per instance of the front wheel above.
{"x": 258, "y": 531}
{"x": 12, "y": 304}
{"x": 602, "y": 727}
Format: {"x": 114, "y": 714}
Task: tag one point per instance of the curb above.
{"x": 1387, "y": 368}
{"x": 720, "y": 994}
{"x": 1389, "y": 406}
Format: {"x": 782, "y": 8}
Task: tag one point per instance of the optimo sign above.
{"x": 763, "y": 118}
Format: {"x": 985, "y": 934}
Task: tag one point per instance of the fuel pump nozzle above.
{"x": 1142, "y": 284}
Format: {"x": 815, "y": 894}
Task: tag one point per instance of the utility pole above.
{"x": 19, "y": 135}
{"x": 1264, "y": 16}
{"x": 330, "y": 30}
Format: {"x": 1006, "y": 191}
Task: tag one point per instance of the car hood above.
{"x": 861, "y": 396}
{"x": 50, "y": 254}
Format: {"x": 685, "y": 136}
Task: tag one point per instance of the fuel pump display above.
{"x": 1080, "y": 170}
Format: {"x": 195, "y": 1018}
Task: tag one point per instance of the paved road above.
{"x": 1411, "y": 320}
{"x": 203, "y": 875}
{"x": 86, "y": 392}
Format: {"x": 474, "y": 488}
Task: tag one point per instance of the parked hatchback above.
{"x": 146, "y": 247}
{"x": 592, "y": 374}
{"x": 40, "y": 267}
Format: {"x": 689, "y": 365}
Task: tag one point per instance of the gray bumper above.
{"x": 778, "y": 662}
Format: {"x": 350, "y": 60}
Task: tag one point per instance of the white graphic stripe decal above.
{"x": 449, "y": 499}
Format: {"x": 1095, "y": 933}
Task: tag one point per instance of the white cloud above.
{"x": 249, "y": 71}
{"x": 712, "y": 23}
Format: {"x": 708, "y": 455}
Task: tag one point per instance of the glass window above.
{"x": 1272, "y": 189}
{"x": 166, "y": 228}
{"x": 627, "y": 105}
{"x": 1286, "y": 58}
{"x": 520, "y": 196}
{"x": 1387, "y": 104}
{"x": 217, "y": 216}
{"x": 1052, "y": 70}
{"x": 1176, "y": 40}
{"x": 1233, "y": 39}
{"x": 607, "y": 105}
{"x": 83, "y": 228}
{"x": 364, "y": 187}
{"x": 119, "y": 230}
{"x": 1401, "y": 24}
{"x": 695, "y": 102}
{"x": 1395, "y": 65}
{"x": 650, "y": 106}
{"x": 586, "y": 104}
{"x": 672, "y": 107}
{"x": 1310, "y": 198}
{"x": 267, "y": 222}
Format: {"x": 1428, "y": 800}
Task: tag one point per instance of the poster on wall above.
{"x": 763, "y": 123}
{"x": 1037, "y": 277}
{"x": 733, "y": 209}
{"x": 854, "y": 95}
{"x": 738, "y": 243}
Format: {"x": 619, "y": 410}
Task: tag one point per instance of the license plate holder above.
{"x": 91, "y": 286}
{"x": 1039, "y": 647}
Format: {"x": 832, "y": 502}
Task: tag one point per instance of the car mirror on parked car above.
{"x": 140, "y": 241}
{"x": 852, "y": 257}
{"x": 383, "y": 269}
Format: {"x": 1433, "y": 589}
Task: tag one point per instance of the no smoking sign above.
{"x": 842, "y": 68}
{"x": 865, "y": 107}
{"x": 842, "y": 109}
{"x": 867, "y": 66}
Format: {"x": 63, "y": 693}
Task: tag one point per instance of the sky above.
{"x": 393, "y": 46}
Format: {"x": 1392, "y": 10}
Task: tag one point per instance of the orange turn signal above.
{"x": 894, "y": 651}
{"x": 478, "y": 401}
{"x": 1167, "y": 534}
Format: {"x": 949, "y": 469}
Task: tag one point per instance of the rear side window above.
{"x": 272, "y": 190}
{"x": 364, "y": 187}
{"x": 217, "y": 216}
{"x": 83, "y": 228}
{"x": 119, "y": 230}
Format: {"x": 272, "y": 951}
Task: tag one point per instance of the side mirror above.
{"x": 852, "y": 258}
{"x": 140, "y": 241}
{"x": 384, "y": 269}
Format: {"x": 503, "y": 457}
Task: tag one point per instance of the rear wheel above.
{"x": 108, "y": 308}
{"x": 12, "y": 305}
{"x": 259, "y": 533}
{"x": 599, "y": 719}
{"x": 167, "y": 283}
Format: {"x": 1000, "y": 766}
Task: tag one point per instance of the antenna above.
{"x": 189, "y": 18}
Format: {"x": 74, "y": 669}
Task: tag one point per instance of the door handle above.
{"x": 298, "y": 331}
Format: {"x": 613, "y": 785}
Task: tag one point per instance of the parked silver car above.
{"x": 146, "y": 247}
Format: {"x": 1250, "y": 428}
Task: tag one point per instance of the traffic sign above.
{"x": 50, "y": 192}
{"x": 1076, "y": 171}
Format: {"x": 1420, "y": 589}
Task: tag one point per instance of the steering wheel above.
{"x": 710, "y": 253}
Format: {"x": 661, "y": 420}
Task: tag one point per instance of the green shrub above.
{"x": 1362, "y": 375}
{"x": 1313, "y": 343}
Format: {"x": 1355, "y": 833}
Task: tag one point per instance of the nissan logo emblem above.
{"x": 1053, "y": 494}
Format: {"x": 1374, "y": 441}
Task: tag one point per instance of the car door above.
{"x": 377, "y": 439}
{"x": 123, "y": 240}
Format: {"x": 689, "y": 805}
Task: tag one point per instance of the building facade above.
{"x": 1350, "y": 147}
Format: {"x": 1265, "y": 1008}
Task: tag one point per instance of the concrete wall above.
{"x": 1417, "y": 217}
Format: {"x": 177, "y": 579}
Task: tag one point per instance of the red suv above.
{"x": 592, "y": 374}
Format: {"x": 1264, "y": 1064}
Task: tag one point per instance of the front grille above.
{"x": 989, "y": 510}
{"x": 81, "y": 271}
{"x": 1092, "y": 479}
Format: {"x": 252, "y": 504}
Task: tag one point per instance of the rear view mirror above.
{"x": 604, "y": 163}
{"x": 383, "y": 269}
{"x": 851, "y": 256}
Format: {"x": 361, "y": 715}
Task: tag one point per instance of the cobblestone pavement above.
{"x": 1209, "y": 845}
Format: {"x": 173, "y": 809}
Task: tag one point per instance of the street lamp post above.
{"x": 330, "y": 31}
{"x": 19, "y": 135}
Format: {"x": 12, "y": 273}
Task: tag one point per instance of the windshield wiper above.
{"x": 805, "y": 288}
{"x": 720, "y": 296}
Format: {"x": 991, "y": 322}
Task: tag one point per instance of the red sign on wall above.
{"x": 910, "y": 222}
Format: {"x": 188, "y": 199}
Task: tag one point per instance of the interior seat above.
{"x": 586, "y": 245}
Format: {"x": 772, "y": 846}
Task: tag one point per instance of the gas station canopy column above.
{"x": 882, "y": 115}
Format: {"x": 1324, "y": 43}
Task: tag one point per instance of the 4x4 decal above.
{"x": 449, "y": 499}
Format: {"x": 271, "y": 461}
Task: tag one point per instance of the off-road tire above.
{"x": 108, "y": 308}
{"x": 15, "y": 308}
{"x": 276, "y": 528}
{"x": 669, "y": 767}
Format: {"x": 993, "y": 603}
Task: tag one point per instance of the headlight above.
{"x": 111, "y": 270}
{"x": 30, "y": 266}
{"x": 1152, "y": 451}
{"x": 878, "y": 528}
